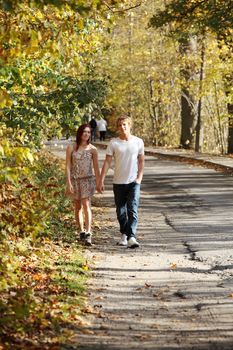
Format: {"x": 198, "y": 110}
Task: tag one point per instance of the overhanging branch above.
{"x": 122, "y": 10}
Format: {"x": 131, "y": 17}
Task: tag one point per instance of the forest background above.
{"x": 167, "y": 64}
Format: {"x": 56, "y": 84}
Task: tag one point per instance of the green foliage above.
{"x": 195, "y": 16}
{"x": 80, "y": 6}
{"x": 56, "y": 111}
{"x": 41, "y": 277}
{"x": 142, "y": 77}
{"x": 47, "y": 77}
{"x": 149, "y": 68}
{"x": 200, "y": 27}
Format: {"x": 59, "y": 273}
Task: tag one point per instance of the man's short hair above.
{"x": 124, "y": 118}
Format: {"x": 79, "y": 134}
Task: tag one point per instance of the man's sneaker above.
{"x": 82, "y": 235}
{"x": 123, "y": 240}
{"x": 132, "y": 243}
{"x": 88, "y": 239}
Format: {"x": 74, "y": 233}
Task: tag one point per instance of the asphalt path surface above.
{"x": 176, "y": 290}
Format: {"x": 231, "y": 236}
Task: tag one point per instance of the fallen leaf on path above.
{"x": 103, "y": 327}
{"x": 154, "y": 326}
{"x": 180, "y": 294}
{"x": 157, "y": 295}
{"x": 230, "y": 295}
{"x": 82, "y": 323}
{"x": 88, "y": 310}
{"x": 40, "y": 276}
{"x": 221, "y": 285}
{"x": 199, "y": 307}
{"x": 101, "y": 289}
{"x": 87, "y": 331}
{"x": 173, "y": 266}
{"x": 143, "y": 337}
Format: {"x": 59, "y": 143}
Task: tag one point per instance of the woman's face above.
{"x": 86, "y": 134}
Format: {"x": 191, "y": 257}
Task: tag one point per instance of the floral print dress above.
{"x": 82, "y": 178}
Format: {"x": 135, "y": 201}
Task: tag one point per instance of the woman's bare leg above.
{"x": 86, "y": 205}
{"x": 79, "y": 215}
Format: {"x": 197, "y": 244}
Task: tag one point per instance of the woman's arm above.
{"x": 96, "y": 164}
{"x": 68, "y": 168}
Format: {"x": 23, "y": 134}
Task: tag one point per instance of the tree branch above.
{"x": 122, "y": 10}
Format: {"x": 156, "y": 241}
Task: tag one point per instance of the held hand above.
{"x": 70, "y": 189}
{"x": 100, "y": 187}
{"x": 138, "y": 181}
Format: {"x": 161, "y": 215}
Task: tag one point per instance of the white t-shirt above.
{"x": 102, "y": 125}
{"x": 125, "y": 155}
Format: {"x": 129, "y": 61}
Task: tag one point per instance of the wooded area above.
{"x": 168, "y": 64}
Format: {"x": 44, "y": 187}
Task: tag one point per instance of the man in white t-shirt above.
{"x": 102, "y": 127}
{"x": 128, "y": 153}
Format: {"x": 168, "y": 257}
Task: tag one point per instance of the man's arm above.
{"x": 68, "y": 167}
{"x": 106, "y": 166}
{"x": 140, "y": 168}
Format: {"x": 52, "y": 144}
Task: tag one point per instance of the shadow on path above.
{"x": 176, "y": 290}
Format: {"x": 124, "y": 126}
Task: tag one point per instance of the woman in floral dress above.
{"x": 81, "y": 158}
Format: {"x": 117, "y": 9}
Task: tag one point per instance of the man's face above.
{"x": 123, "y": 127}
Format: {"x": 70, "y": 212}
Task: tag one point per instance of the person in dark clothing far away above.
{"x": 93, "y": 125}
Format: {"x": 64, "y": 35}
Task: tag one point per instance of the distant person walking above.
{"x": 93, "y": 125}
{"x": 102, "y": 127}
{"x": 128, "y": 153}
{"x": 81, "y": 157}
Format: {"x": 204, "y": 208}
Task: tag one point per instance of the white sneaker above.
{"x": 123, "y": 241}
{"x": 132, "y": 243}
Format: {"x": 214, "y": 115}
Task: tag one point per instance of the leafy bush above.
{"x": 42, "y": 273}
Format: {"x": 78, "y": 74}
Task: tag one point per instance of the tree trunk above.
{"x": 188, "y": 120}
{"x": 199, "y": 127}
{"x": 188, "y": 110}
{"x": 230, "y": 128}
{"x": 152, "y": 111}
{"x": 226, "y": 56}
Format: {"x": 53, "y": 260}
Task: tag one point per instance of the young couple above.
{"x": 128, "y": 153}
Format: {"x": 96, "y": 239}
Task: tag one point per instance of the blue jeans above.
{"x": 127, "y": 201}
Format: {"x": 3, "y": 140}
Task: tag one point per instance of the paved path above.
{"x": 223, "y": 163}
{"x": 176, "y": 290}
{"x": 218, "y": 162}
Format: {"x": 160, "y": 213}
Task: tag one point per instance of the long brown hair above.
{"x": 79, "y": 133}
